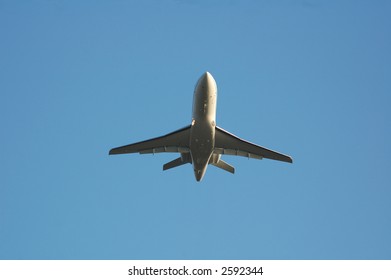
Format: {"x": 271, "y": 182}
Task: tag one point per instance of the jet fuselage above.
{"x": 202, "y": 132}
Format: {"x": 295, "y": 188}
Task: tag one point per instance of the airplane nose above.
{"x": 207, "y": 77}
{"x": 206, "y": 80}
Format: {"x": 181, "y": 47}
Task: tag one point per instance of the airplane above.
{"x": 202, "y": 142}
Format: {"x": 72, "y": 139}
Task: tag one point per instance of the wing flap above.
{"x": 165, "y": 149}
{"x": 229, "y": 144}
{"x": 177, "y": 141}
{"x": 232, "y": 152}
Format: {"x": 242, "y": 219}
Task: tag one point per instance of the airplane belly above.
{"x": 204, "y": 107}
{"x": 201, "y": 144}
{"x": 204, "y": 102}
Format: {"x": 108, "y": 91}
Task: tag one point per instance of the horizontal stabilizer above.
{"x": 183, "y": 159}
{"x": 225, "y": 166}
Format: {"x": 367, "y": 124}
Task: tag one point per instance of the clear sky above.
{"x": 308, "y": 78}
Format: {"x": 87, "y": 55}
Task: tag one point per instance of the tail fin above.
{"x": 183, "y": 159}
{"x": 225, "y": 166}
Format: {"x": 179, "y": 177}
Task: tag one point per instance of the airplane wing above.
{"x": 177, "y": 141}
{"x": 229, "y": 144}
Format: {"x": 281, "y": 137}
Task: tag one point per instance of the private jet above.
{"x": 202, "y": 142}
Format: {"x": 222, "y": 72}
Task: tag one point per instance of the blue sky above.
{"x": 307, "y": 78}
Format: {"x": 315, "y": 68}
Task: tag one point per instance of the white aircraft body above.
{"x": 202, "y": 142}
